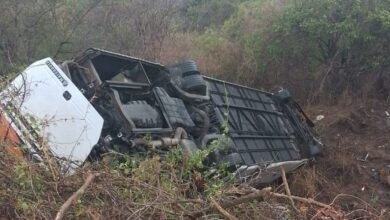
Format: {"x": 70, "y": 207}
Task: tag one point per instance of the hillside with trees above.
{"x": 329, "y": 48}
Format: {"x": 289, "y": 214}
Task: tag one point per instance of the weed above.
{"x": 26, "y": 179}
{"x": 22, "y": 205}
{"x": 124, "y": 164}
{"x": 174, "y": 157}
{"x": 374, "y": 199}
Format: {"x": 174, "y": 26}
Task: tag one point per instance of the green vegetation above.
{"x": 126, "y": 185}
{"x": 326, "y": 47}
{"x": 332, "y": 48}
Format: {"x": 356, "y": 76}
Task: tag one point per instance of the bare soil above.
{"x": 356, "y": 158}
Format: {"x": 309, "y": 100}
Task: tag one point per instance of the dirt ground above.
{"x": 356, "y": 159}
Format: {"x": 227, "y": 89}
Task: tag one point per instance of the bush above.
{"x": 330, "y": 48}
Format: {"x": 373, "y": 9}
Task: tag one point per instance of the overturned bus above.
{"x": 102, "y": 101}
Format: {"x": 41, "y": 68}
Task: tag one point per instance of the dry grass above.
{"x": 155, "y": 189}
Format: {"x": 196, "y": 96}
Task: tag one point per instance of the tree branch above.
{"x": 221, "y": 210}
{"x": 75, "y": 195}
{"x": 287, "y": 188}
